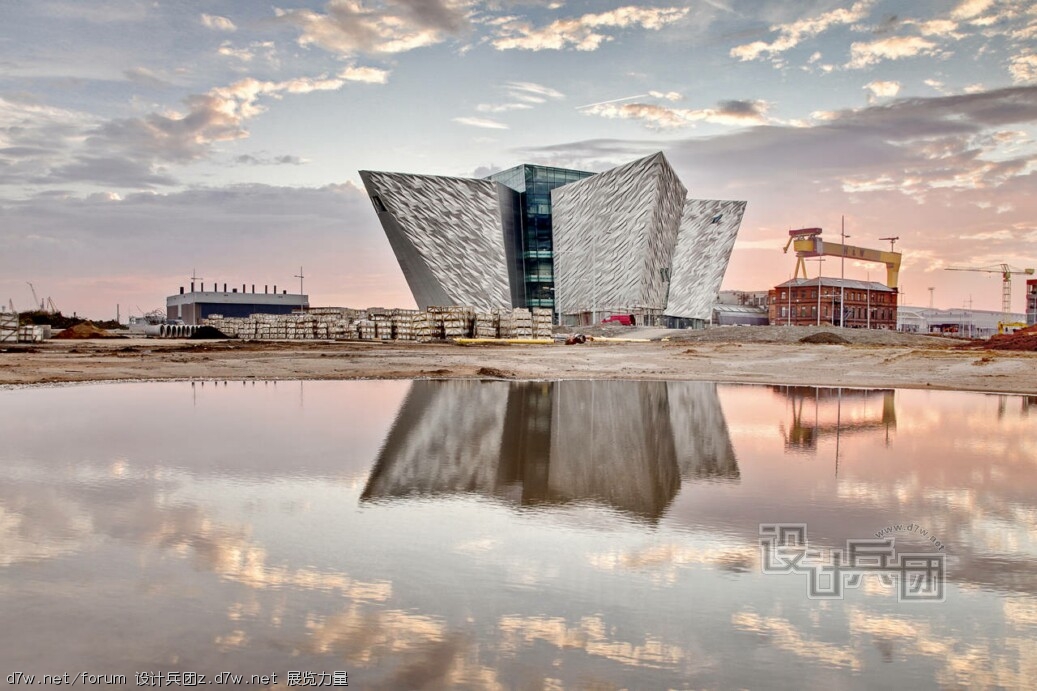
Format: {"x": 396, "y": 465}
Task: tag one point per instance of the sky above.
{"x": 141, "y": 142}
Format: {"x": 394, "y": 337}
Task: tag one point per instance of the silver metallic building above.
{"x": 587, "y": 246}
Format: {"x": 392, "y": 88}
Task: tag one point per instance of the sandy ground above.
{"x": 768, "y": 355}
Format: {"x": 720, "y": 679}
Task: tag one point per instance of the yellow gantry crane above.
{"x": 808, "y": 243}
{"x": 1006, "y": 272}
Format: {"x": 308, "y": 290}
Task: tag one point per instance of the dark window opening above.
{"x": 378, "y": 205}
{"x": 717, "y": 218}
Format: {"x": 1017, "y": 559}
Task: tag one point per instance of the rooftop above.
{"x": 827, "y": 282}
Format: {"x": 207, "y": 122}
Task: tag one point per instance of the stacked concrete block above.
{"x": 382, "y": 326}
{"x": 366, "y": 330}
{"x": 523, "y": 323}
{"x": 485, "y": 325}
{"x": 403, "y": 322}
{"x": 435, "y": 322}
{"x": 423, "y": 327}
{"x": 456, "y": 322}
{"x": 542, "y": 323}
{"x": 505, "y": 323}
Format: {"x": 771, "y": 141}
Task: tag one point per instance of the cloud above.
{"x": 792, "y": 34}
{"x": 531, "y": 92}
{"x": 501, "y": 107}
{"x": 366, "y": 75}
{"x": 392, "y": 26}
{"x": 46, "y": 145}
{"x": 971, "y": 8}
{"x": 484, "y": 123}
{"x": 217, "y": 23}
{"x": 581, "y": 33}
{"x": 866, "y": 54}
{"x": 145, "y": 77}
{"x": 265, "y": 49}
{"x": 1023, "y": 68}
{"x": 287, "y": 159}
{"x": 883, "y": 89}
{"x": 217, "y": 116}
{"x": 736, "y": 113}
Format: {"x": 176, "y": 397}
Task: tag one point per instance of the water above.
{"x": 510, "y": 535}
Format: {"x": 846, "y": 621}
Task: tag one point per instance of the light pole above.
{"x": 819, "y": 260}
{"x": 788, "y": 321}
{"x": 842, "y": 275}
{"x": 868, "y": 288}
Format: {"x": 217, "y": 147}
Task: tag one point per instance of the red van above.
{"x": 624, "y": 319}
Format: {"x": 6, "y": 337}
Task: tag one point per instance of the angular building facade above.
{"x": 585, "y": 245}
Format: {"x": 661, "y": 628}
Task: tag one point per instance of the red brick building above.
{"x": 807, "y": 302}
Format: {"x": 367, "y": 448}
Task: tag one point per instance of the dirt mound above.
{"x": 824, "y": 337}
{"x": 492, "y": 372}
{"x": 780, "y": 333}
{"x": 208, "y": 332}
{"x": 85, "y": 330}
{"x": 1024, "y": 339}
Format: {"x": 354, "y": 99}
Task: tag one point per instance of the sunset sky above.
{"x": 142, "y": 140}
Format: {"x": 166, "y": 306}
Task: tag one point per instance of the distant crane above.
{"x": 36, "y": 304}
{"x": 51, "y": 307}
{"x": 892, "y": 242}
{"x": 1006, "y": 272}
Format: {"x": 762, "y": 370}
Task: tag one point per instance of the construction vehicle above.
{"x": 1004, "y": 327}
{"x": 1006, "y": 272}
{"x": 808, "y": 243}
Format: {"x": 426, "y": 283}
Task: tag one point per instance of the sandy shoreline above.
{"x": 855, "y": 365}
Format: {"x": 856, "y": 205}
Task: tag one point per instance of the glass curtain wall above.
{"x": 536, "y": 246}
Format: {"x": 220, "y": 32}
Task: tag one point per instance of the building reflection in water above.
{"x": 835, "y": 412}
{"x": 624, "y": 444}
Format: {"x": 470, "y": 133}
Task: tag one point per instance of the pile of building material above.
{"x": 486, "y": 324}
{"x": 8, "y": 327}
{"x": 516, "y": 323}
{"x": 340, "y": 323}
{"x": 542, "y": 323}
{"x": 82, "y": 331}
{"x": 34, "y": 333}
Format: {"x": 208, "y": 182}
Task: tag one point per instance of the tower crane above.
{"x": 36, "y": 304}
{"x": 1006, "y": 272}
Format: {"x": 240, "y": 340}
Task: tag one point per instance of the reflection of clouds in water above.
{"x": 663, "y": 562}
{"x": 592, "y": 636}
{"x": 25, "y": 539}
{"x": 38, "y": 522}
{"x": 421, "y": 649}
{"x": 1010, "y": 662}
{"x": 784, "y": 636}
{"x": 1021, "y": 612}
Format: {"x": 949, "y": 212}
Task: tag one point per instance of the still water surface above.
{"x": 478, "y": 535}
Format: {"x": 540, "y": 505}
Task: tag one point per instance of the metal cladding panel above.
{"x": 703, "y": 251}
{"x": 614, "y": 233}
{"x": 447, "y": 236}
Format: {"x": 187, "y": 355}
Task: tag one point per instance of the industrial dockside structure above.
{"x": 192, "y": 307}
{"x": 585, "y": 246}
